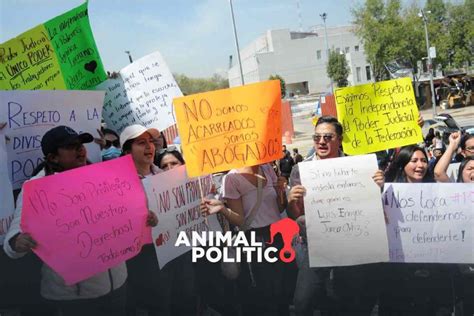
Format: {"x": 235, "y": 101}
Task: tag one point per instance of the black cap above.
{"x": 61, "y": 136}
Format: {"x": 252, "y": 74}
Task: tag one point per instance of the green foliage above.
{"x": 390, "y": 32}
{"x": 282, "y": 83}
{"x": 197, "y": 85}
{"x": 461, "y": 37}
{"x": 380, "y": 27}
{"x": 338, "y": 69}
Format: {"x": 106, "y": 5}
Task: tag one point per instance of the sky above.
{"x": 195, "y": 37}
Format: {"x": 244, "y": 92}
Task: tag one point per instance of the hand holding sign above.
{"x": 85, "y": 220}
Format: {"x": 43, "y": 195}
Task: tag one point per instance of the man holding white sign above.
{"x": 310, "y": 282}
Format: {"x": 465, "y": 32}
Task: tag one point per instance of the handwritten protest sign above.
{"x": 6, "y": 192}
{"x": 230, "y": 128}
{"x": 175, "y": 199}
{"x": 142, "y": 94}
{"x": 86, "y": 220}
{"x": 30, "y": 114}
{"x": 378, "y": 116}
{"x": 430, "y": 222}
{"x": 344, "y": 216}
{"x": 59, "y": 54}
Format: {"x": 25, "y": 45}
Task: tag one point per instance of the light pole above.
{"x": 129, "y": 56}
{"x": 430, "y": 62}
{"x": 324, "y": 16}
{"x": 236, "y": 43}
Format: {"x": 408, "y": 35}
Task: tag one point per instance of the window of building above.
{"x": 346, "y": 49}
{"x": 358, "y": 74}
{"x": 356, "y": 48}
{"x": 367, "y": 73}
{"x": 338, "y": 50}
{"x": 318, "y": 54}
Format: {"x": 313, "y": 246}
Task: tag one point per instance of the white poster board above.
{"x": 142, "y": 94}
{"x": 30, "y": 114}
{"x": 452, "y": 171}
{"x": 176, "y": 199}
{"x": 430, "y": 222}
{"x": 344, "y": 215}
{"x": 6, "y": 192}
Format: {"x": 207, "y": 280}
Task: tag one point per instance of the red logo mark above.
{"x": 288, "y": 229}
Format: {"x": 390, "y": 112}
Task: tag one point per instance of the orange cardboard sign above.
{"x": 230, "y": 128}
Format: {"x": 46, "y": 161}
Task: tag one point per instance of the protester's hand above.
{"x": 151, "y": 219}
{"x": 455, "y": 139}
{"x": 296, "y": 193}
{"x": 23, "y": 242}
{"x": 379, "y": 178}
{"x": 211, "y": 206}
{"x": 101, "y": 140}
{"x": 420, "y": 121}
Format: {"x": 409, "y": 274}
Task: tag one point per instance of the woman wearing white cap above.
{"x": 143, "y": 269}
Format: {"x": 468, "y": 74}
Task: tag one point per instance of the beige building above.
{"x": 300, "y": 58}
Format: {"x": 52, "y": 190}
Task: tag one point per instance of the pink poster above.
{"x": 88, "y": 219}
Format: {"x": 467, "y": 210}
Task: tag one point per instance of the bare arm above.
{"x": 233, "y": 213}
{"x": 440, "y": 171}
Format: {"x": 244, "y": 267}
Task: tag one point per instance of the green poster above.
{"x": 59, "y": 54}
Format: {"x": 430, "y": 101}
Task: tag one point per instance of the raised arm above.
{"x": 440, "y": 171}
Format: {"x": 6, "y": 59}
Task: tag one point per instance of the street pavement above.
{"x": 303, "y": 128}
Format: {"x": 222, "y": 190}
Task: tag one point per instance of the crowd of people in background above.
{"x": 250, "y": 198}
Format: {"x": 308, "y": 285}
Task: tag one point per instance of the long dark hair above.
{"x": 462, "y": 166}
{"x": 396, "y": 172}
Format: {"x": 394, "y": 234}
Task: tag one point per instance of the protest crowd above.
{"x": 115, "y": 253}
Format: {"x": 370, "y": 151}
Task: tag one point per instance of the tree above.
{"x": 438, "y": 30}
{"x": 197, "y": 85}
{"x": 412, "y": 43}
{"x": 460, "y": 39}
{"x": 338, "y": 69}
{"x": 282, "y": 83}
{"x": 380, "y": 27}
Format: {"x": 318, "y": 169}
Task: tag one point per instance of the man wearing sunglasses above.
{"x": 311, "y": 284}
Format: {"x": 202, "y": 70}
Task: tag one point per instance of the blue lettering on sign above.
{"x": 17, "y": 117}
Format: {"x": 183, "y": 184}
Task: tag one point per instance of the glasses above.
{"x": 168, "y": 149}
{"x": 115, "y": 143}
{"x": 326, "y": 137}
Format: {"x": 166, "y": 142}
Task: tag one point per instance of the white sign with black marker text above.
{"x": 430, "y": 222}
{"x": 344, "y": 215}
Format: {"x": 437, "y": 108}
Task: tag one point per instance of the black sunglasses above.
{"x": 326, "y": 137}
{"x": 115, "y": 143}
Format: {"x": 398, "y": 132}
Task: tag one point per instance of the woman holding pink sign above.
{"x": 101, "y": 294}
{"x": 148, "y": 286}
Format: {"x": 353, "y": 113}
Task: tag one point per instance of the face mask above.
{"x": 110, "y": 153}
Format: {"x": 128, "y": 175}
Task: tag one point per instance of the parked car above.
{"x": 443, "y": 123}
